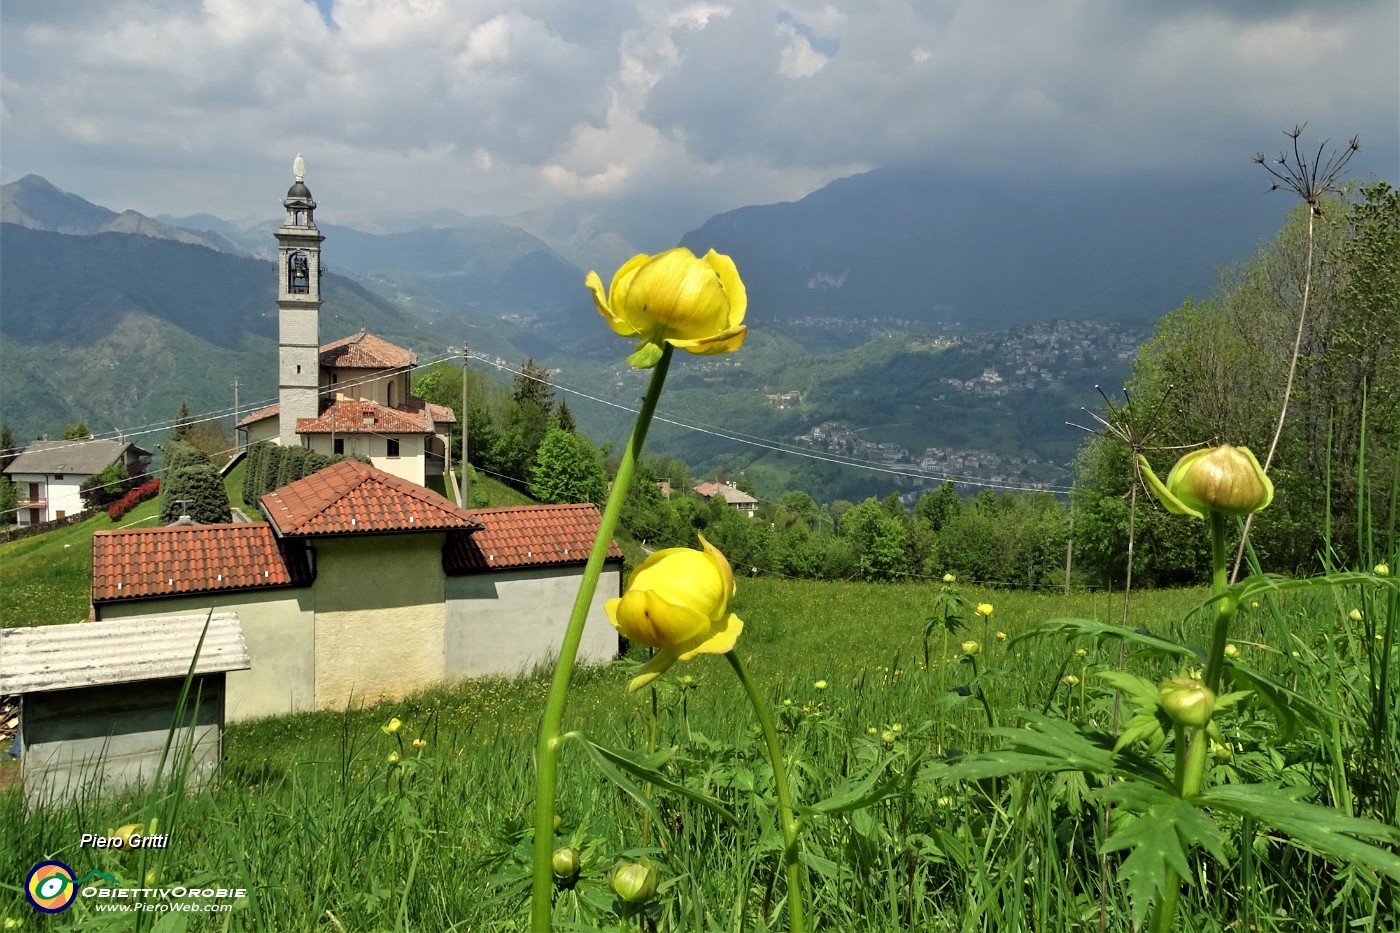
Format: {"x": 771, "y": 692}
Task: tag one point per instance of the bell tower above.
{"x": 298, "y": 309}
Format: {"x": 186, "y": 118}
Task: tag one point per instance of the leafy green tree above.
{"x": 567, "y": 469}
{"x": 8, "y": 450}
{"x": 105, "y": 487}
{"x": 938, "y": 506}
{"x": 564, "y": 417}
{"x": 77, "y": 431}
{"x": 9, "y": 501}
{"x": 197, "y": 491}
{"x": 184, "y": 421}
{"x": 878, "y": 540}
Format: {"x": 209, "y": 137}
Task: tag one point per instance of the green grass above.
{"x": 311, "y": 817}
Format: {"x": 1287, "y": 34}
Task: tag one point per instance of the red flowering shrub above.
{"x": 132, "y": 499}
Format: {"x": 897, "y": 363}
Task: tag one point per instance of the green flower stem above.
{"x": 1224, "y": 606}
{"x": 546, "y": 753}
{"x": 793, "y": 866}
{"x": 1191, "y": 746}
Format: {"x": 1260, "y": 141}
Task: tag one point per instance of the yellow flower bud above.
{"x": 820, "y": 685}
{"x": 1223, "y": 479}
{"x": 1001, "y": 636}
{"x": 634, "y": 882}
{"x": 971, "y": 648}
{"x": 950, "y": 578}
{"x": 871, "y": 730}
{"x": 125, "y": 833}
{"x": 392, "y": 726}
{"x": 420, "y": 743}
{"x": 887, "y": 736}
{"x": 566, "y": 863}
{"x": 392, "y": 758}
{"x": 1222, "y": 751}
{"x": 677, "y": 602}
{"x": 1382, "y": 570}
{"x": 1355, "y": 615}
{"x": 895, "y": 727}
{"x": 1231, "y": 651}
{"x": 1187, "y": 701}
{"x": 696, "y": 304}
{"x": 985, "y": 609}
{"x": 1081, "y": 652}
{"x": 1069, "y": 680}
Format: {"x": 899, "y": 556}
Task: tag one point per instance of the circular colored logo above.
{"x": 50, "y": 887}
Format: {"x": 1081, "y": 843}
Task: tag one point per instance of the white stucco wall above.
{"x": 379, "y": 617}
{"x": 61, "y": 495}
{"x": 278, "y": 626}
{"x": 508, "y": 621}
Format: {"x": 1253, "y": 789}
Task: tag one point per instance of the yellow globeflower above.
{"x": 1355, "y": 615}
{"x": 972, "y": 648}
{"x": 677, "y": 602}
{"x": 1223, "y": 479}
{"x": 985, "y": 609}
{"x": 696, "y": 304}
{"x": 1382, "y": 570}
{"x": 392, "y": 726}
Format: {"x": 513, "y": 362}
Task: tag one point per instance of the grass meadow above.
{"x": 325, "y": 833}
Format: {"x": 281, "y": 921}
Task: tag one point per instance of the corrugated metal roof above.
{"x": 90, "y": 654}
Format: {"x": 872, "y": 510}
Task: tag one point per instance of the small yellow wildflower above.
{"x": 950, "y": 578}
{"x": 1354, "y": 615}
{"x": 1001, "y": 636}
{"x": 392, "y": 758}
{"x": 971, "y": 648}
{"x": 896, "y": 727}
{"x": 420, "y": 743}
{"x": 1081, "y": 652}
{"x": 820, "y": 685}
{"x": 985, "y": 609}
{"x": 887, "y": 737}
{"x": 1069, "y": 680}
{"x": 392, "y": 726}
{"x": 1231, "y": 651}
{"x": 871, "y": 730}
{"x": 1382, "y": 570}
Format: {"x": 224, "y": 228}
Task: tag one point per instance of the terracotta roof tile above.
{"x": 268, "y": 412}
{"x": 442, "y": 413}
{"x": 351, "y": 498}
{"x": 526, "y": 536}
{"x": 365, "y": 351}
{"x": 142, "y": 562}
{"x": 368, "y": 418}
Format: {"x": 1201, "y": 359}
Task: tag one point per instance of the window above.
{"x": 393, "y": 447}
{"x": 58, "y": 476}
{"x": 339, "y": 445}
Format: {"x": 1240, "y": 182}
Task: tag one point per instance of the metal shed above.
{"x": 98, "y": 700}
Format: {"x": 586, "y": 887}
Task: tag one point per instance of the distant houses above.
{"x": 737, "y": 499}
{"x": 48, "y": 474}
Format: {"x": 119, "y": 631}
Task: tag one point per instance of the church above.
{"x": 350, "y": 396}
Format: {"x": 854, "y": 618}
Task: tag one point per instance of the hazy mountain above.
{"x": 117, "y": 329}
{"x": 34, "y": 203}
{"x": 937, "y": 249}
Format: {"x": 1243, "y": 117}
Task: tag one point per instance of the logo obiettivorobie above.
{"x": 51, "y": 887}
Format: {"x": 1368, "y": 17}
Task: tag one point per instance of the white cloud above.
{"x": 499, "y": 106}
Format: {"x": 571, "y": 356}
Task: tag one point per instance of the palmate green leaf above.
{"x": 1159, "y": 828}
{"x": 1047, "y": 745}
{"x": 1087, "y": 628}
{"x": 1264, "y": 584}
{"x": 857, "y": 794}
{"x": 1323, "y": 830}
{"x": 613, "y": 763}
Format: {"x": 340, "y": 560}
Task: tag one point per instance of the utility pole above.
{"x": 236, "y": 445}
{"x": 465, "y": 502}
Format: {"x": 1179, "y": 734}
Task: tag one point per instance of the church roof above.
{"x": 366, "y": 351}
{"x": 353, "y": 498}
{"x": 369, "y": 418}
{"x": 526, "y": 536}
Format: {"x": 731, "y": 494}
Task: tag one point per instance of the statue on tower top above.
{"x": 299, "y": 168}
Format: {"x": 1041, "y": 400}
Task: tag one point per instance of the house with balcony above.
{"x": 48, "y": 474}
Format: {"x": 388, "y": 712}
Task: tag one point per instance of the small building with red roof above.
{"x": 360, "y": 586}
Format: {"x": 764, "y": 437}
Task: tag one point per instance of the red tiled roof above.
{"x": 368, "y": 418}
{"x": 268, "y": 412}
{"x": 142, "y": 562}
{"x": 526, "y": 536}
{"x": 351, "y": 498}
{"x": 365, "y": 351}
{"x": 441, "y": 413}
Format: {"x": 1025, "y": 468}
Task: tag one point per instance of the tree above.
{"x": 564, "y": 417}
{"x": 77, "y": 431}
{"x": 878, "y": 540}
{"x": 9, "y": 501}
{"x": 531, "y": 385}
{"x": 197, "y": 491}
{"x": 184, "y": 420}
{"x": 8, "y": 450}
{"x": 106, "y": 487}
{"x": 567, "y": 469}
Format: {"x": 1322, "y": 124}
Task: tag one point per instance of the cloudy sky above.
{"x": 496, "y": 107}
